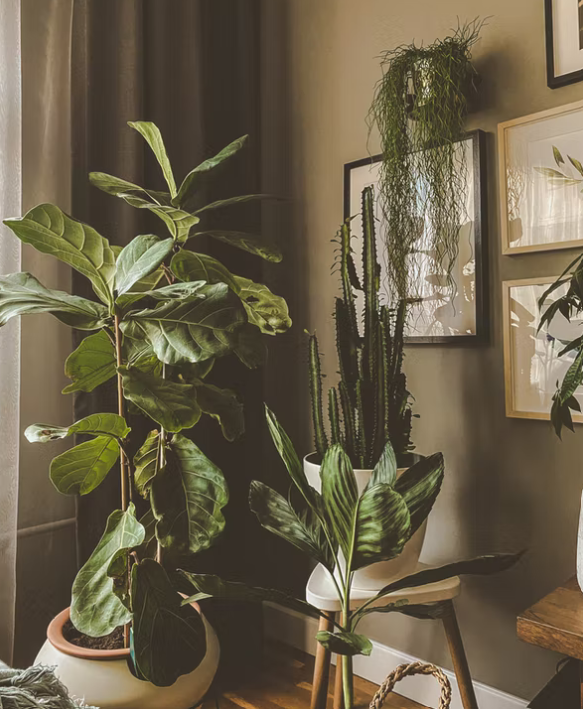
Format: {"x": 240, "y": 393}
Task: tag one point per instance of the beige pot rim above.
{"x": 57, "y": 639}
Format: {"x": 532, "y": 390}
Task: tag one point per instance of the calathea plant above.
{"x": 364, "y": 529}
{"x": 162, "y": 316}
{"x": 371, "y": 404}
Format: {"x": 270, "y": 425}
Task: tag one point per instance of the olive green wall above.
{"x": 510, "y": 484}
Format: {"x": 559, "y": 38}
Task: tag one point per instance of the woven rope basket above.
{"x": 415, "y": 668}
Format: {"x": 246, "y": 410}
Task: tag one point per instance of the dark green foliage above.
{"x": 368, "y": 526}
{"x": 568, "y": 305}
{"x": 420, "y": 106}
{"x": 371, "y": 405}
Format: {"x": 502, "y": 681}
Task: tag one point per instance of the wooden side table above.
{"x": 556, "y": 623}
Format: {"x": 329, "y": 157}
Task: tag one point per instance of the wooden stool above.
{"x": 321, "y": 593}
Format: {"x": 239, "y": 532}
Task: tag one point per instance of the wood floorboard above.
{"x": 285, "y": 682}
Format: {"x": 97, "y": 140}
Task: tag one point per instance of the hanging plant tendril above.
{"x": 419, "y": 107}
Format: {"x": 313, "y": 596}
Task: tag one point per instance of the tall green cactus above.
{"x": 371, "y": 404}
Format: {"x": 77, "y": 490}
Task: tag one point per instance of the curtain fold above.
{"x": 10, "y": 204}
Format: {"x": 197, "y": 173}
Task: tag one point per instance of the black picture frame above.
{"x": 556, "y": 82}
{"x": 481, "y": 335}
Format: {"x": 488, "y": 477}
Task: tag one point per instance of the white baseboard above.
{"x": 297, "y": 630}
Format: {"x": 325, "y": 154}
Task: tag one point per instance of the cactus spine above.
{"x": 371, "y": 403}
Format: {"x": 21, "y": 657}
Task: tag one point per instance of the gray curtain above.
{"x": 193, "y": 67}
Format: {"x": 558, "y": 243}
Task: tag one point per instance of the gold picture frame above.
{"x": 531, "y": 365}
{"x": 541, "y": 210}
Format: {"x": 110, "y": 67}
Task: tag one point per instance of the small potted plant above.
{"x": 366, "y": 526}
{"x": 371, "y": 404}
{"x": 163, "y": 315}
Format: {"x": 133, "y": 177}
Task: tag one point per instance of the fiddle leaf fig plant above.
{"x": 162, "y": 316}
{"x": 345, "y": 531}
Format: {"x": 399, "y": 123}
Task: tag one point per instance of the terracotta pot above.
{"x": 102, "y": 677}
{"x": 375, "y": 576}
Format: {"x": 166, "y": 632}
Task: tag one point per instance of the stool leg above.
{"x": 458, "y": 655}
{"x": 338, "y": 691}
{"x": 322, "y": 667}
{"x": 581, "y": 682}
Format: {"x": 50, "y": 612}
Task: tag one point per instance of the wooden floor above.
{"x": 285, "y": 682}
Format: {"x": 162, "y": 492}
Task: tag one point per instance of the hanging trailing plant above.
{"x": 420, "y": 107}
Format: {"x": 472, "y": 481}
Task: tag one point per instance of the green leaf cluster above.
{"x": 567, "y": 306}
{"x": 163, "y": 314}
{"x": 345, "y": 531}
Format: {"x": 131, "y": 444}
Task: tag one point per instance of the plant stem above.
{"x": 120, "y": 410}
{"x": 162, "y": 463}
{"x": 346, "y": 660}
{"x": 124, "y": 470}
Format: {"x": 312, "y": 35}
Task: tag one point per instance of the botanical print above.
{"x": 534, "y": 354}
{"x": 544, "y": 178}
{"x": 437, "y": 309}
{"x": 567, "y": 176}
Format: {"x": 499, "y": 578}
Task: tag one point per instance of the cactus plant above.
{"x": 371, "y": 404}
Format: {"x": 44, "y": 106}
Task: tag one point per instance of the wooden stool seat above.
{"x": 321, "y": 592}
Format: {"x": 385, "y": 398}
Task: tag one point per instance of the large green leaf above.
{"x": 139, "y": 259}
{"x": 53, "y": 232}
{"x": 267, "y": 311}
{"x": 208, "y": 586}
{"x": 385, "y": 471}
{"x": 169, "y": 638}
{"x": 276, "y": 515}
{"x": 288, "y": 454}
{"x": 122, "y": 188}
{"x": 344, "y": 643}
{"x": 91, "y": 364}
{"x": 382, "y": 526}
{"x": 194, "y": 266}
{"x": 22, "y": 294}
{"x": 222, "y": 405}
{"x": 187, "y": 497}
{"x": 253, "y": 243}
{"x": 171, "y": 404}
{"x": 420, "y": 486}
{"x": 480, "y": 566}
{"x": 94, "y": 425}
{"x": 178, "y": 222}
{"x": 340, "y": 495}
{"x": 193, "y": 328}
{"x": 82, "y": 468}
{"x": 202, "y": 172}
{"x": 95, "y": 609}
{"x": 151, "y": 134}
{"x": 146, "y": 463}
{"x": 232, "y": 201}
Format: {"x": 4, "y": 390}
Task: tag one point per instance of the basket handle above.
{"x": 415, "y": 668}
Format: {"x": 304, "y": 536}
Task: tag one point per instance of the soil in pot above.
{"x": 113, "y": 641}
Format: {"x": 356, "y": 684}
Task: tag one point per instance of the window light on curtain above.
{"x": 10, "y": 204}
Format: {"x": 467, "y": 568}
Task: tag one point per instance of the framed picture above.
{"x": 541, "y": 180}
{"x": 564, "y": 33}
{"x": 442, "y": 315}
{"x": 531, "y": 363}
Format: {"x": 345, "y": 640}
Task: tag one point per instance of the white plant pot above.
{"x": 375, "y": 576}
{"x": 102, "y": 678}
